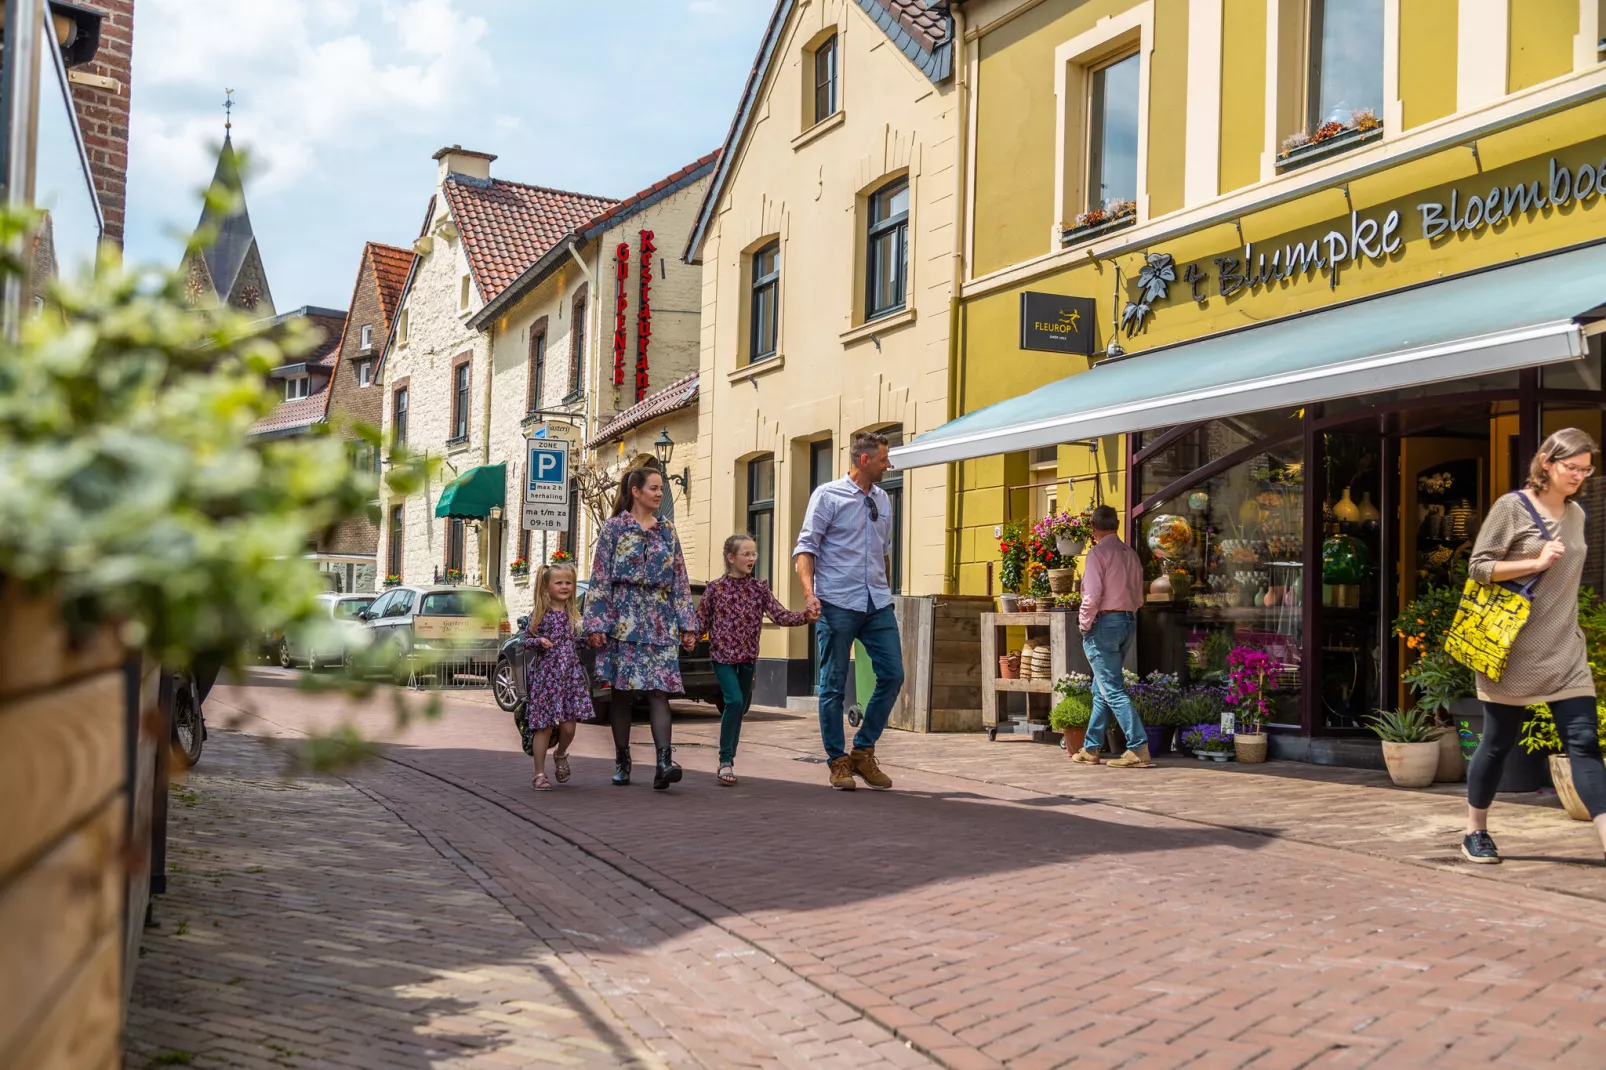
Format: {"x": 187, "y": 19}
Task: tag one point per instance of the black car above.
{"x": 508, "y": 684}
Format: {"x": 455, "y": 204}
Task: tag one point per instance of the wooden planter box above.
{"x": 74, "y": 854}
{"x": 1097, "y": 230}
{"x": 942, "y": 668}
{"x": 1337, "y": 145}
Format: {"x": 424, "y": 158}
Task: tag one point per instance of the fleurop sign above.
{"x": 1055, "y": 323}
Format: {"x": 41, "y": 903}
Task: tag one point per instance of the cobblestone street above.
{"x": 998, "y": 909}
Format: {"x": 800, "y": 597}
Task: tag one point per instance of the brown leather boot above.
{"x": 842, "y": 774}
{"x": 1137, "y": 758}
{"x": 864, "y": 765}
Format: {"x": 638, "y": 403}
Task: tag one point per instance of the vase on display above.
{"x": 1249, "y": 511}
{"x": 1008, "y": 603}
{"x": 1199, "y": 501}
{"x": 1461, "y": 520}
{"x": 1452, "y": 764}
{"x": 1346, "y": 511}
{"x": 1160, "y": 589}
{"x": 1561, "y": 775}
{"x": 1344, "y": 559}
{"x": 1367, "y": 510}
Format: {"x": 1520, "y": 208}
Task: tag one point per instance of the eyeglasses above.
{"x": 1582, "y": 470}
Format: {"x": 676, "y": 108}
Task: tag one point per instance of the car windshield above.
{"x": 348, "y": 608}
{"x": 460, "y": 604}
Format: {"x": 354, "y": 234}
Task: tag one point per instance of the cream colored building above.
{"x": 828, "y": 253}
{"x": 561, "y": 330}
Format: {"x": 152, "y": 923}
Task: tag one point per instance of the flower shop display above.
{"x": 1410, "y": 745}
{"x": 1248, "y": 692}
{"x": 1209, "y": 742}
{"x": 1069, "y": 532}
{"x": 1155, "y": 699}
{"x": 1074, "y": 709}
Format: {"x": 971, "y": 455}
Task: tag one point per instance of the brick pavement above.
{"x": 991, "y": 925}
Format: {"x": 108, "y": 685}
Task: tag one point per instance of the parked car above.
{"x": 435, "y": 630}
{"x": 330, "y": 644}
{"x": 509, "y": 684}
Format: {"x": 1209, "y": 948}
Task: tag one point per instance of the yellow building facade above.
{"x": 1304, "y": 244}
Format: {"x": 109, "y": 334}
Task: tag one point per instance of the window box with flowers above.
{"x": 454, "y": 575}
{"x": 520, "y": 570}
{"x": 1114, "y": 216}
{"x": 392, "y": 580}
{"x": 1330, "y": 139}
{"x": 562, "y": 557}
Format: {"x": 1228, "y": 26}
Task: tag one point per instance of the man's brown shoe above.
{"x": 865, "y": 766}
{"x": 1134, "y": 759}
{"x": 842, "y": 773}
{"x": 1084, "y": 756}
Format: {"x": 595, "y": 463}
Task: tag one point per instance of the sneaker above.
{"x": 1083, "y": 756}
{"x": 842, "y": 774}
{"x": 1134, "y": 759}
{"x": 864, "y": 765}
{"x": 1479, "y": 847}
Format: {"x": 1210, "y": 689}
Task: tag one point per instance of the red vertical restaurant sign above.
{"x": 644, "y": 313}
{"x": 621, "y": 257}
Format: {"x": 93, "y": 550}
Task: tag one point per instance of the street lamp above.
{"x": 663, "y": 448}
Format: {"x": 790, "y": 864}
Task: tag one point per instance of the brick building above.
{"x": 100, "y": 94}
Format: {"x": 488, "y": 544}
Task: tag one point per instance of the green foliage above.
{"x": 1199, "y": 704}
{"x": 1413, "y": 725}
{"x": 1438, "y": 680}
{"x": 1072, "y": 711}
{"x": 1211, "y": 660}
{"x": 1012, "y": 547}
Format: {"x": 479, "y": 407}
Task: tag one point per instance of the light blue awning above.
{"x": 1515, "y": 316}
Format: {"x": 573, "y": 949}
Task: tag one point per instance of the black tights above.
{"x": 657, "y": 712}
{"x": 1502, "y": 728}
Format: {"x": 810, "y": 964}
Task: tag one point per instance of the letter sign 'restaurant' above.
{"x": 643, "y": 313}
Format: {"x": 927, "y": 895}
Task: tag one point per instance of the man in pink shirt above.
{"x": 1112, "y": 591}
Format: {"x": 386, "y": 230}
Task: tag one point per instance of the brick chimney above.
{"x": 456, "y": 160}
{"x": 100, "y": 97}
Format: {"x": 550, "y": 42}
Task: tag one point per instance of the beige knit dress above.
{"x": 1549, "y": 659}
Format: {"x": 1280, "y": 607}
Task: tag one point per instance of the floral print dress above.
{"x": 640, "y": 598}
{"x": 556, "y": 681}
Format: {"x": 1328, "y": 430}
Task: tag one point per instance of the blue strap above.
{"x": 1526, "y": 588}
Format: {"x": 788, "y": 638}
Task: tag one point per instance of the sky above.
{"x": 341, "y": 103}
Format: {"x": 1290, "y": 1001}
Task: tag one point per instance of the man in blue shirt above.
{"x": 841, "y": 559}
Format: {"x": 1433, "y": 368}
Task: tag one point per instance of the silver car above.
{"x": 452, "y": 633}
{"x": 332, "y": 637}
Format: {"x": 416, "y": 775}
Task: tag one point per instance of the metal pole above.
{"x": 19, "y": 129}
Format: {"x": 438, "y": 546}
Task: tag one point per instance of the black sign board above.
{"x": 1055, "y": 323}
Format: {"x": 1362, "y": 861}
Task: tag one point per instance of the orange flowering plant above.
{"x": 1437, "y": 678}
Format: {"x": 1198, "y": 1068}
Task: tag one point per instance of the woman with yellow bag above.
{"x": 1535, "y": 536}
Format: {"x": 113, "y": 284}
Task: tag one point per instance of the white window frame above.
{"x": 365, "y": 373}
{"x": 1073, "y": 61}
{"x": 464, "y": 289}
{"x": 367, "y": 336}
{"x": 401, "y": 327}
{"x": 297, "y": 387}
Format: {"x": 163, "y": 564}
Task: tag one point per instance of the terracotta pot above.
{"x": 1074, "y": 738}
{"x": 1561, "y": 774}
{"x": 1250, "y": 748}
{"x": 1411, "y": 765}
{"x": 1452, "y": 766}
{"x": 1009, "y": 666}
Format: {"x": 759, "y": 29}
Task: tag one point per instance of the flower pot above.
{"x": 1183, "y": 750}
{"x": 1070, "y": 547}
{"x": 1062, "y": 580}
{"x": 1524, "y": 772}
{"x": 1159, "y": 739}
{"x": 1249, "y": 748}
{"x": 1009, "y": 666}
{"x": 1212, "y": 756}
{"x": 1008, "y": 603}
{"x": 1452, "y": 766}
{"x": 1411, "y": 765}
{"x": 1074, "y": 738}
{"x": 1561, "y": 774}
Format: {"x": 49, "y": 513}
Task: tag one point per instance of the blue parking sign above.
{"x": 546, "y": 490}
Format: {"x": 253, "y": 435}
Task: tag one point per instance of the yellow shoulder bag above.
{"x": 1491, "y": 614}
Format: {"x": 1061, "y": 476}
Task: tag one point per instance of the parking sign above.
{"x": 546, "y": 485}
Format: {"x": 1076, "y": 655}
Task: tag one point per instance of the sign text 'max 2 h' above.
{"x": 546, "y": 485}
{"x": 1056, "y": 324}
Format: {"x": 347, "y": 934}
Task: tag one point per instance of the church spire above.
{"x": 229, "y": 271}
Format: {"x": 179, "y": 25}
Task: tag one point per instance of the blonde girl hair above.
{"x": 733, "y": 545}
{"x": 543, "y": 597}
{"x": 1568, "y": 442}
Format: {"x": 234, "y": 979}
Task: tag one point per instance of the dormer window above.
{"x": 298, "y": 387}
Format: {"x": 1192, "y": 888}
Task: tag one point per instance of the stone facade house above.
{"x": 480, "y": 234}
{"x": 574, "y": 347}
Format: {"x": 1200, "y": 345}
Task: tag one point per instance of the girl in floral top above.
{"x": 638, "y": 609}
{"x": 732, "y": 613}
{"x": 559, "y": 695}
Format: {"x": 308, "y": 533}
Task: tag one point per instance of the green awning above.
{"x": 1516, "y": 316}
{"x": 472, "y": 495}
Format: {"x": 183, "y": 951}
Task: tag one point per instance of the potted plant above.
{"x": 1410, "y": 745}
{"x": 1209, "y": 742}
{"x": 1071, "y": 713}
{"x": 1197, "y": 704}
{"x": 1155, "y": 698}
{"x": 454, "y": 575}
{"x": 519, "y": 568}
{"x": 1540, "y": 737}
{"x": 1069, "y": 532}
{"x": 1012, "y": 564}
{"x": 561, "y": 557}
{"x": 1248, "y": 693}
{"x": 1009, "y": 665}
{"x": 392, "y": 580}
{"x": 1443, "y": 686}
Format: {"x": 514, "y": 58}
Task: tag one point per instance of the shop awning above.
{"x": 1516, "y": 316}
{"x": 472, "y": 495}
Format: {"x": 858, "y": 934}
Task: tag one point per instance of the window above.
{"x": 765, "y": 301}
{"x": 454, "y": 543}
{"x": 537, "y": 381}
{"x": 368, "y": 336}
{"x": 1112, "y": 143}
{"x": 825, "y": 64}
{"x": 460, "y": 376}
{"x": 577, "y": 342}
{"x": 393, "y": 547}
{"x": 298, "y": 387}
{"x": 401, "y": 327}
{"x": 892, "y": 483}
{"x": 365, "y": 373}
{"x": 1346, "y": 60}
{"x": 888, "y": 249}
{"x": 398, "y": 421}
{"x": 463, "y": 286}
{"x": 761, "y": 512}
{"x": 524, "y": 543}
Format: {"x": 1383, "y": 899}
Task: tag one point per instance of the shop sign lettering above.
{"x": 643, "y": 312}
{"x": 1370, "y": 237}
{"x": 1055, "y": 323}
{"x": 621, "y": 305}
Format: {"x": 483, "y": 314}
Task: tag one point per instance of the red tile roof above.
{"x": 672, "y": 398}
{"x": 602, "y": 221}
{"x": 928, "y": 25}
{"x": 391, "y": 266}
{"x": 328, "y": 349}
{"x": 506, "y": 226}
{"x": 293, "y": 415}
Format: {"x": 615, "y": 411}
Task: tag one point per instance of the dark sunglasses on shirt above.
{"x": 875, "y": 514}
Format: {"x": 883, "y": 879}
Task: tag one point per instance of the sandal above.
{"x": 727, "y": 775}
{"x": 540, "y": 783}
{"x": 560, "y": 766}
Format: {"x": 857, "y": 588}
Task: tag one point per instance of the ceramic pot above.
{"x": 1074, "y": 738}
{"x": 1008, "y": 603}
{"x": 1070, "y": 547}
{"x": 1452, "y": 766}
{"x": 1159, "y": 739}
{"x": 1009, "y": 666}
{"x": 1561, "y": 774}
{"x": 1524, "y": 773}
{"x": 1411, "y": 765}
{"x": 1368, "y": 511}
{"x": 1249, "y": 748}
{"x": 1345, "y": 510}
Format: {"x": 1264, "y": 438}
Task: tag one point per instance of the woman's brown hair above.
{"x": 1568, "y": 442}
{"x": 633, "y": 480}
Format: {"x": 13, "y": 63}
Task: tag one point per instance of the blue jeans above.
{"x": 834, "y": 635}
{"x": 1106, "y": 645}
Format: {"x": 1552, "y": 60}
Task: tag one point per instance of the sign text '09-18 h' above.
{"x": 546, "y": 485}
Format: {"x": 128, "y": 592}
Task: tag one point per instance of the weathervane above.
{"x": 228, "y": 109}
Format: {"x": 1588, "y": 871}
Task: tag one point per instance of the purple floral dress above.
{"x": 640, "y": 599}
{"x": 557, "y": 682}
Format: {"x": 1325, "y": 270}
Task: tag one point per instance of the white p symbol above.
{"x": 546, "y": 467}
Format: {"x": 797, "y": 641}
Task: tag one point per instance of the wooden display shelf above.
{"x": 1045, "y": 687}
{"x": 1058, "y": 626}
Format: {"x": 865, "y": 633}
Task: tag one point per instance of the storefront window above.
{"x": 1593, "y": 495}
{"x": 1353, "y": 618}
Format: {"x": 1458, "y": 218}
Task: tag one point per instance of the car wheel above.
{"x": 504, "y": 686}
{"x": 285, "y": 660}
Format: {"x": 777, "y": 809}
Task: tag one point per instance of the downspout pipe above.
{"x": 956, "y": 347}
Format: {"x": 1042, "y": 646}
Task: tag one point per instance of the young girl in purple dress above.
{"x": 559, "y": 694}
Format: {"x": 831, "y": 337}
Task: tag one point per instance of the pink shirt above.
{"x": 1112, "y": 580}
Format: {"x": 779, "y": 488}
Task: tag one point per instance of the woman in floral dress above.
{"x": 638, "y": 612}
